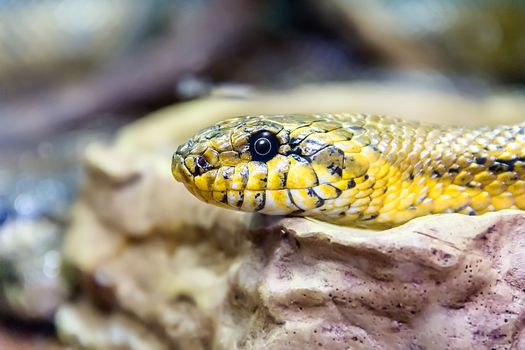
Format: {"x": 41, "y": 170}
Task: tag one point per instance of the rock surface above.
{"x": 160, "y": 270}
{"x": 31, "y": 287}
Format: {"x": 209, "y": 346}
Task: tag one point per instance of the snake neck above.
{"x": 395, "y": 173}
{"x": 353, "y": 169}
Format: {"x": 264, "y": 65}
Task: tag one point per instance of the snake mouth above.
{"x": 179, "y": 171}
{"x": 272, "y": 202}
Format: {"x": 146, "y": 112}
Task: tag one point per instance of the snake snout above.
{"x": 178, "y": 169}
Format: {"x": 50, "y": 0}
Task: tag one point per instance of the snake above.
{"x": 368, "y": 171}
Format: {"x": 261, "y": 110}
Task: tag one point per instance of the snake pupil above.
{"x": 263, "y": 145}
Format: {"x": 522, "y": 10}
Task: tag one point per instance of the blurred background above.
{"x": 74, "y": 71}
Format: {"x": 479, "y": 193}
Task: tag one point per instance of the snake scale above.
{"x": 353, "y": 169}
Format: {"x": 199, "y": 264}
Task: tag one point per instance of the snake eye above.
{"x": 264, "y": 145}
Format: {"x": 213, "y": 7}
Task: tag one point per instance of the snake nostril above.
{"x": 202, "y": 162}
{"x": 202, "y": 165}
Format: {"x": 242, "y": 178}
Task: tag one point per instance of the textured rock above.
{"x": 440, "y": 282}
{"x": 168, "y": 274}
{"x": 160, "y": 270}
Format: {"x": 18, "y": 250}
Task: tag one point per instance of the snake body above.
{"x": 353, "y": 169}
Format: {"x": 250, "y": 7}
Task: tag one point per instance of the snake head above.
{"x": 270, "y": 164}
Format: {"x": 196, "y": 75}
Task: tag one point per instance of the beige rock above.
{"x": 31, "y": 287}
{"x": 439, "y": 282}
{"x": 169, "y": 272}
{"x": 102, "y": 331}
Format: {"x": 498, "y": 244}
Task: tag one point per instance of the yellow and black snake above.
{"x": 353, "y": 169}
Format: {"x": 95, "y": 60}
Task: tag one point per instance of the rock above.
{"x": 439, "y": 282}
{"x": 168, "y": 274}
{"x": 31, "y": 287}
{"x": 158, "y": 269}
{"x": 100, "y": 331}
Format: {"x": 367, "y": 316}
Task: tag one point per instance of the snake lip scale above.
{"x": 354, "y": 169}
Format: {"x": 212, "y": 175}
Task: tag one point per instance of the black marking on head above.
{"x": 480, "y": 160}
{"x": 454, "y": 169}
{"x": 436, "y": 174}
{"x": 299, "y": 159}
{"x": 335, "y": 169}
{"x": 371, "y": 217}
{"x": 367, "y": 177}
{"x": 351, "y": 184}
{"x": 294, "y": 141}
{"x": 411, "y": 175}
{"x": 312, "y": 146}
{"x": 263, "y": 145}
{"x": 296, "y": 151}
